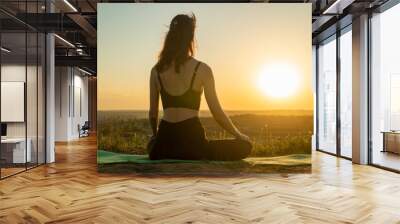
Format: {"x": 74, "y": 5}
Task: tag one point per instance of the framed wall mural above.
{"x": 204, "y": 88}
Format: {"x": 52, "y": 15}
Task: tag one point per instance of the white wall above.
{"x": 13, "y": 73}
{"x": 10, "y": 73}
{"x": 62, "y": 82}
{"x": 80, "y": 110}
{"x": 33, "y": 127}
{"x": 71, "y": 102}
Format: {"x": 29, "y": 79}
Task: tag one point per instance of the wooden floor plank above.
{"x": 72, "y": 191}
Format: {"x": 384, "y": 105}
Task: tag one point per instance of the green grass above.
{"x": 271, "y": 135}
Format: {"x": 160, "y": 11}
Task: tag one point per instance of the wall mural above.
{"x": 204, "y": 88}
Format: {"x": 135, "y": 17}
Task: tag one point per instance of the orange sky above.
{"x": 238, "y": 41}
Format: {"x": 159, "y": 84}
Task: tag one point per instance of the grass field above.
{"x": 273, "y": 133}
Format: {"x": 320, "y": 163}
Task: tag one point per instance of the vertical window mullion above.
{"x": 338, "y": 80}
{"x": 1, "y": 165}
{"x": 26, "y": 86}
{"x": 369, "y": 90}
{"x": 45, "y": 73}
{"x": 37, "y": 89}
{"x": 317, "y": 96}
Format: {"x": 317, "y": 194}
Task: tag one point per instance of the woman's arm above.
{"x": 215, "y": 107}
{"x": 154, "y": 101}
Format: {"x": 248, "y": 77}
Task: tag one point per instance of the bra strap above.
{"x": 194, "y": 74}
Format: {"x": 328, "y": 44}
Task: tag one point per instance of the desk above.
{"x": 391, "y": 141}
{"x": 16, "y": 147}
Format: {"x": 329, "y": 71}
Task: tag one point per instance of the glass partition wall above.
{"x": 385, "y": 89}
{"x": 345, "y": 61}
{"x": 327, "y": 95}
{"x": 22, "y": 77}
{"x": 334, "y": 116}
{"x": 13, "y": 89}
{"x": 334, "y": 82}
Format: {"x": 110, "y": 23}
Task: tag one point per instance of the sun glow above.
{"x": 278, "y": 80}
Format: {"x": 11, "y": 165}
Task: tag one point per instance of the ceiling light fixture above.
{"x": 329, "y": 9}
{"x": 80, "y": 51}
{"x": 70, "y": 5}
{"x": 5, "y": 50}
{"x": 64, "y": 40}
{"x": 84, "y": 71}
{"x": 337, "y": 7}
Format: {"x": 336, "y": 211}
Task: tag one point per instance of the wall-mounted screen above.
{"x": 12, "y": 101}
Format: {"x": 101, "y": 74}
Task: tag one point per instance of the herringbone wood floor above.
{"x": 71, "y": 191}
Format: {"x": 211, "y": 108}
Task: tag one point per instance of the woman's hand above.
{"x": 243, "y": 137}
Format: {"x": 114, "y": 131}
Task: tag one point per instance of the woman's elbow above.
{"x": 219, "y": 117}
{"x": 153, "y": 114}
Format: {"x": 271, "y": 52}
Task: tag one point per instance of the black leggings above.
{"x": 187, "y": 140}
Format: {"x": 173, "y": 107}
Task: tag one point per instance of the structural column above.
{"x": 360, "y": 89}
{"x": 50, "y": 92}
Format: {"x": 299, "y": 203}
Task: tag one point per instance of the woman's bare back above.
{"x": 176, "y": 85}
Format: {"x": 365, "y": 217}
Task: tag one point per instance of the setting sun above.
{"x": 252, "y": 71}
{"x": 278, "y": 80}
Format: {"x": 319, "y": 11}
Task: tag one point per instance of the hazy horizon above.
{"x": 244, "y": 110}
{"x": 207, "y": 113}
{"x": 248, "y": 46}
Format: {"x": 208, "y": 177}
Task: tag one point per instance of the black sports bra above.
{"x": 190, "y": 99}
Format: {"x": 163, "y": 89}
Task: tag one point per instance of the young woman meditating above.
{"x": 180, "y": 79}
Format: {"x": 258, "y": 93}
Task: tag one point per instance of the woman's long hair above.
{"x": 178, "y": 43}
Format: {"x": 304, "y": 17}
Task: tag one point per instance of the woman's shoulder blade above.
{"x": 203, "y": 67}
